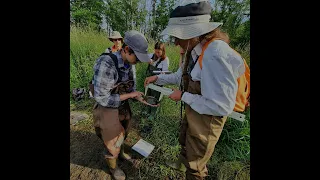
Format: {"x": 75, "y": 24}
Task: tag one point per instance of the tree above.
{"x": 234, "y": 16}
{"x": 152, "y": 19}
{"x": 125, "y": 15}
{"x": 87, "y": 12}
{"x": 161, "y": 17}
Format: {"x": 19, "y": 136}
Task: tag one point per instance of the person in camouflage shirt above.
{"x": 113, "y": 85}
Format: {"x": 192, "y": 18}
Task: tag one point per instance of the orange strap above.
{"x": 114, "y": 49}
{"x": 204, "y": 47}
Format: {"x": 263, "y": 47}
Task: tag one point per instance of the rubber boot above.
{"x": 178, "y": 165}
{"x": 116, "y": 172}
{"x": 123, "y": 154}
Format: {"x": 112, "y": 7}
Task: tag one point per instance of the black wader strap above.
{"x": 181, "y": 103}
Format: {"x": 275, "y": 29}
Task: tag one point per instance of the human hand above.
{"x": 176, "y": 95}
{"x": 136, "y": 94}
{"x": 149, "y": 80}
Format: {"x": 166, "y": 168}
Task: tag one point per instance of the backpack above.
{"x": 243, "y": 93}
{"x": 108, "y": 50}
{"x": 115, "y": 60}
{"x": 78, "y": 93}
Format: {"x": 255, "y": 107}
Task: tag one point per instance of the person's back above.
{"x": 228, "y": 56}
{"x": 235, "y": 65}
{"x": 219, "y": 53}
{"x": 220, "y": 64}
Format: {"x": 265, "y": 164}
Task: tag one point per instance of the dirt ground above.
{"x": 86, "y": 159}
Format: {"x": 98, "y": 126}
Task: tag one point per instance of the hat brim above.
{"x": 115, "y": 37}
{"x": 191, "y": 30}
{"x": 143, "y": 57}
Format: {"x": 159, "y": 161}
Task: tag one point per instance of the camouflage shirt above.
{"x": 106, "y": 78}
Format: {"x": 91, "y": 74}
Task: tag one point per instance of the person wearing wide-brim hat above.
{"x": 117, "y": 41}
{"x": 209, "y": 89}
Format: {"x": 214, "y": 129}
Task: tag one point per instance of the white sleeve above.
{"x": 165, "y": 64}
{"x": 173, "y": 78}
{"x": 168, "y": 62}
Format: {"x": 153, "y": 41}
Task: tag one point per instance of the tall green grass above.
{"x": 85, "y": 46}
{"x": 231, "y": 159}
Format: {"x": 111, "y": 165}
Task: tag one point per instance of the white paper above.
{"x": 143, "y": 147}
{"x": 161, "y": 71}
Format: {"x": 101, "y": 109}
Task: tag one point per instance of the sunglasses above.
{"x": 117, "y": 39}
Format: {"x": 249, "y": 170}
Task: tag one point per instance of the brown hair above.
{"x": 216, "y": 33}
{"x": 160, "y": 46}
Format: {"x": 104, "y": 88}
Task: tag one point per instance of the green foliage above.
{"x": 125, "y": 15}
{"x": 132, "y": 14}
{"x": 85, "y": 47}
{"x": 234, "y": 16}
{"x": 161, "y": 18}
{"x": 87, "y": 12}
{"x": 234, "y": 170}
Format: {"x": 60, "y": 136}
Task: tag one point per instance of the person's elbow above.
{"x": 225, "y": 110}
{"x": 228, "y": 105}
{"x": 219, "y": 108}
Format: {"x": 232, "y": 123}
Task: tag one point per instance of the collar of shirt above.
{"x": 196, "y": 51}
{"x": 150, "y": 56}
{"x": 155, "y": 61}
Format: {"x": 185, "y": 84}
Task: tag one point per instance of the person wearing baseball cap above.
{"x": 113, "y": 85}
{"x": 209, "y": 76}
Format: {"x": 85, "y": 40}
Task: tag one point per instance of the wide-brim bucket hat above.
{"x": 115, "y": 35}
{"x": 189, "y": 19}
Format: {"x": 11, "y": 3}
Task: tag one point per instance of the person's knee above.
{"x": 112, "y": 152}
{"x": 114, "y": 148}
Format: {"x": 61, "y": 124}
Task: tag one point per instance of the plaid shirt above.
{"x": 106, "y": 77}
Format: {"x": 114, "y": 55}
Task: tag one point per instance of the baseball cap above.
{"x": 138, "y": 43}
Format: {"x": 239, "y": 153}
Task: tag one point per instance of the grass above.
{"x": 231, "y": 159}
